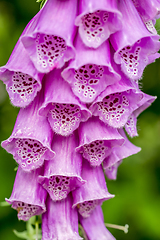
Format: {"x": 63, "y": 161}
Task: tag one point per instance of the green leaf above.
{"x": 4, "y": 204}
{"x": 23, "y": 235}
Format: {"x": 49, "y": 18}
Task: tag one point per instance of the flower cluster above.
{"x": 74, "y": 73}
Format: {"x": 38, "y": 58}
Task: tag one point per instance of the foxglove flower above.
{"x": 49, "y": 40}
{"x": 111, "y": 163}
{"x": 30, "y": 142}
{"x": 60, "y": 106}
{"x": 116, "y": 103}
{"x": 60, "y": 221}
{"x": 97, "y": 20}
{"x": 148, "y": 9}
{"x": 90, "y": 74}
{"x": 131, "y": 124}
{"x": 134, "y": 43}
{"x": 94, "y": 226}
{"x": 63, "y": 174}
{"x": 22, "y": 80}
{"x": 96, "y": 145}
{"x": 28, "y": 197}
{"x": 93, "y": 192}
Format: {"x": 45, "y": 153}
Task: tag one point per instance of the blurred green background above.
{"x": 137, "y": 187}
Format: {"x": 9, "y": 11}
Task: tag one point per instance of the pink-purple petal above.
{"x": 28, "y": 197}
{"x": 116, "y": 103}
{"x": 97, "y": 20}
{"x": 93, "y": 192}
{"x": 134, "y": 43}
{"x": 30, "y": 141}
{"x": 60, "y": 106}
{"x": 90, "y": 74}
{"x": 96, "y": 145}
{"x": 60, "y": 221}
{"x": 49, "y": 42}
{"x": 63, "y": 174}
{"x": 94, "y": 226}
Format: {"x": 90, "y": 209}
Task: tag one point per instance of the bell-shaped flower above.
{"x": 22, "y": 80}
{"x": 131, "y": 124}
{"x": 97, "y": 20}
{"x": 148, "y": 9}
{"x": 91, "y": 71}
{"x": 63, "y": 174}
{"x": 116, "y": 103}
{"x": 30, "y": 141}
{"x": 60, "y": 106}
{"x": 134, "y": 43}
{"x": 60, "y": 221}
{"x": 111, "y": 163}
{"x": 93, "y": 192}
{"x": 49, "y": 40}
{"x": 28, "y": 196}
{"x": 94, "y": 226}
{"x": 96, "y": 140}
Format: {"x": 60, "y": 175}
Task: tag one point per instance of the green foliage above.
{"x": 42, "y": 2}
{"x": 33, "y": 230}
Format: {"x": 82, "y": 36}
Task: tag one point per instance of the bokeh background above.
{"x": 137, "y": 187}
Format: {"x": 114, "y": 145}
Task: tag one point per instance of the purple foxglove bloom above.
{"x": 49, "y": 40}
{"x": 22, "y": 80}
{"x": 97, "y": 20}
{"x": 148, "y": 9}
{"x": 30, "y": 142}
{"x": 60, "y": 106}
{"x": 94, "y": 226}
{"x": 63, "y": 174}
{"x": 131, "y": 123}
{"x": 91, "y": 71}
{"x": 116, "y": 103}
{"x": 60, "y": 221}
{"x": 96, "y": 145}
{"x": 28, "y": 197}
{"x": 93, "y": 192}
{"x": 134, "y": 43}
{"x": 111, "y": 163}
{"x": 111, "y": 172}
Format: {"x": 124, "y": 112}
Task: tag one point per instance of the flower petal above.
{"x": 91, "y": 71}
{"x": 134, "y": 43}
{"x": 116, "y": 103}
{"x": 93, "y": 192}
{"x": 30, "y": 141}
{"x": 49, "y": 40}
{"x": 60, "y": 106}
{"x": 63, "y": 174}
{"x": 96, "y": 145}
{"x": 28, "y": 197}
{"x": 94, "y": 226}
{"x": 22, "y": 80}
{"x": 97, "y": 20}
{"x": 60, "y": 221}
{"x": 111, "y": 163}
{"x": 131, "y": 123}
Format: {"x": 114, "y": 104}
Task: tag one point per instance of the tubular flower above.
{"x": 28, "y": 197}
{"x": 49, "y": 40}
{"x": 60, "y": 221}
{"x": 111, "y": 163}
{"x": 30, "y": 142}
{"x": 93, "y": 192}
{"x": 97, "y": 20}
{"x": 88, "y": 74}
{"x": 63, "y": 174}
{"x": 22, "y": 80}
{"x": 77, "y": 86}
